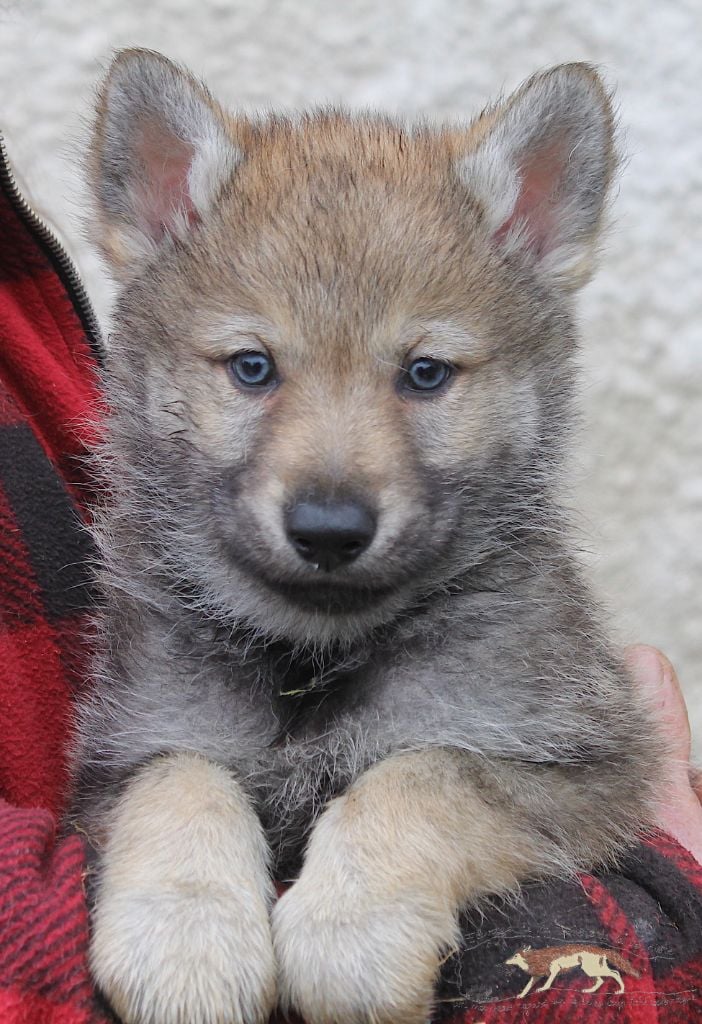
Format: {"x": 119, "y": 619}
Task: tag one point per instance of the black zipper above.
{"x": 60, "y": 260}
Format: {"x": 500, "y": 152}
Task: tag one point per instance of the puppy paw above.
{"x": 184, "y": 958}
{"x": 179, "y": 958}
{"x": 370, "y": 965}
{"x": 352, "y": 947}
{"x": 181, "y": 925}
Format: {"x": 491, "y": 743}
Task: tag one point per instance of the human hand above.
{"x": 681, "y": 809}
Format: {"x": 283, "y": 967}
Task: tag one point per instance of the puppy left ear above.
{"x": 541, "y": 165}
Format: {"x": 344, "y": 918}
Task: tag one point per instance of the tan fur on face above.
{"x": 344, "y": 247}
{"x": 345, "y": 250}
{"x": 180, "y": 929}
{"x": 345, "y": 234}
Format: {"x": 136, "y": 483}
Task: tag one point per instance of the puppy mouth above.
{"x": 332, "y": 598}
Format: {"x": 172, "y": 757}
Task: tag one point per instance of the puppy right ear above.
{"x": 541, "y": 164}
{"x": 160, "y": 154}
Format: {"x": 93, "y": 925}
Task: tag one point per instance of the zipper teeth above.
{"x": 67, "y": 267}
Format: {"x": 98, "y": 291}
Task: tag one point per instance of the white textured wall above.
{"x": 640, "y": 489}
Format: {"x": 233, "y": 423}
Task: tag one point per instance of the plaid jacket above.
{"x": 633, "y": 938}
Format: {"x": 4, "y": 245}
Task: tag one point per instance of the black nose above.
{"x": 329, "y": 534}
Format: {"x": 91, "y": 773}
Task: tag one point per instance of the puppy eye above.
{"x": 426, "y": 374}
{"x": 252, "y": 369}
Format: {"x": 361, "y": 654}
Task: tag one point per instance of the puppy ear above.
{"x": 541, "y": 165}
{"x": 160, "y": 153}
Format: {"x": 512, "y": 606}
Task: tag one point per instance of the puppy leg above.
{"x": 181, "y": 931}
{"x": 359, "y": 937}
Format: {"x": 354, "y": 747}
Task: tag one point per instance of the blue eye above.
{"x": 252, "y": 369}
{"x": 426, "y": 374}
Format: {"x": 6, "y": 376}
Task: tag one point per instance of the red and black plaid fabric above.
{"x": 47, "y": 392}
{"x": 648, "y": 914}
{"x": 645, "y": 920}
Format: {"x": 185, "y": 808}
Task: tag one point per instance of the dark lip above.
{"x": 332, "y": 598}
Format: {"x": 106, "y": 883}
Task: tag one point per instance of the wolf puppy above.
{"x": 340, "y": 613}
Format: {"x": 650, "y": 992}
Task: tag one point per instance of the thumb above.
{"x": 657, "y": 679}
{"x": 680, "y": 811}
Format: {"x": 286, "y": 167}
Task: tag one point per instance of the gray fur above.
{"x": 487, "y": 640}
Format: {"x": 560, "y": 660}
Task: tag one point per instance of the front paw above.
{"x": 184, "y": 958}
{"x": 181, "y": 928}
{"x": 354, "y": 944}
{"x": 368, "y": 964}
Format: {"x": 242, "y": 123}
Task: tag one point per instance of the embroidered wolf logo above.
{"x": 594, "y": 961}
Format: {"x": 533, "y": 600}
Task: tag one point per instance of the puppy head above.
{"x": 341, "y": 362}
